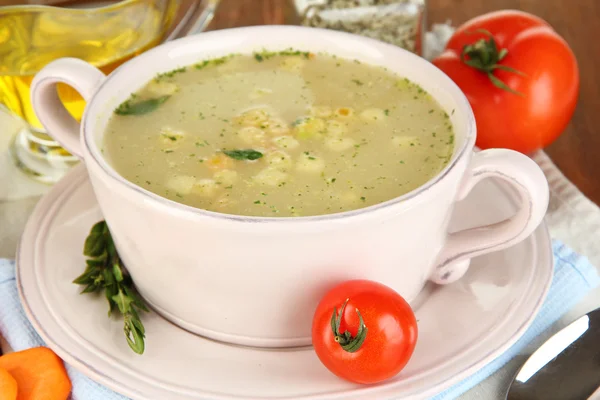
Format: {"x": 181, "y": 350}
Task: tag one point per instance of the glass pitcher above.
{"x": 105, "y": 34}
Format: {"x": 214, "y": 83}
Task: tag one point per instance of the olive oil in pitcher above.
{"x": 31, "y": 36}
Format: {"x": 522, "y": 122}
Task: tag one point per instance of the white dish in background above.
{"x": 462, "y": 326}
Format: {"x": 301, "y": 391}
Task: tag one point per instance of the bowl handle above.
{"x": 523, "y": 174}
{"x": 59, "y": 124}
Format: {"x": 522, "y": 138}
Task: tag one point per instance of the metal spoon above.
{"x": 565, "y": 367}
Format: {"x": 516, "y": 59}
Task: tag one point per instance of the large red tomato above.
{"x": 519, "y": 75}
{"x": 364, "y": 331}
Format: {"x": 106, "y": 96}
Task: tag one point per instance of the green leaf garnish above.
{"x": 128, "y": 107}
{"x": 105, "y": 272}
{"x": 122, "y": 301}
{"x": 94, "y": 243}
{"x": 247, "y": 154}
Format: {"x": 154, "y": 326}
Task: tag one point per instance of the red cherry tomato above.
{"x": 519, "y": 75}
{"x": 364, "y": 331}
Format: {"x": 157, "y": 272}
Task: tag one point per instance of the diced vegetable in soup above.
{"x": 279, "y": 134}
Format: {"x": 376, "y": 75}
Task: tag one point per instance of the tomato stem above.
{"x": 348, "y": 343}
{"x": 484, "y": 56}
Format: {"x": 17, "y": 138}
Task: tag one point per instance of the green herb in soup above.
{"x": 243, "y": 154}
{"x": 133, "y": 107}
{"x": 279, "y": 134}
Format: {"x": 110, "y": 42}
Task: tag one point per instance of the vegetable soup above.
{"x": 279, "y": 134}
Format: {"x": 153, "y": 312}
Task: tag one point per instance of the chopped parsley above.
{"x": 214, "y": 61}
{"x": 299, "y": 121}
{"x": 170, "y": 74}
{"x": 265, "y": 55}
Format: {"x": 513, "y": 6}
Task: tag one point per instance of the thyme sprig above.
{"x": 105, "y": 272}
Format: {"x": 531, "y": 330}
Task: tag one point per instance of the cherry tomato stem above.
{"x": 485, "y": 56}
{"x": 345, "y": 339}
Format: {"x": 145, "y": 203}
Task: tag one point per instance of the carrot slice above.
{"x": 8, "y": 386}
{"x": 40, "y": 374}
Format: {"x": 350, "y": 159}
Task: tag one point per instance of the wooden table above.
{"x": 578, "y": 21}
